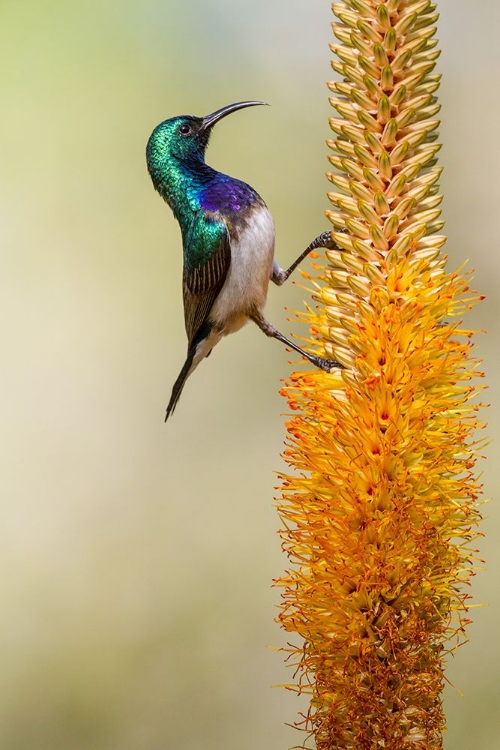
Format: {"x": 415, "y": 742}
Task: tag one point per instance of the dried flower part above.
{"x": 380, "y": 516}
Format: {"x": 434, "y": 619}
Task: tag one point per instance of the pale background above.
{"x": 137, "y": 557}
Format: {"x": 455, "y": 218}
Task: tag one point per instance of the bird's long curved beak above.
{"x": 210, "y": 120}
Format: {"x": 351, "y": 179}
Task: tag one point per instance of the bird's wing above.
{"x": 207, "y": 258}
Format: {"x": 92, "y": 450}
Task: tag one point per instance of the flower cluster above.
{"x": 380, "y": 513}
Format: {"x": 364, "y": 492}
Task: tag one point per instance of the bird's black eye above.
{"x": 185, "y": 129}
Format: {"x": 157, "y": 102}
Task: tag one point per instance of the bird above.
{"x": 228, "y": 240}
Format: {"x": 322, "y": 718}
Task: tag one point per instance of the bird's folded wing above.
{"x": 207, "y": 258}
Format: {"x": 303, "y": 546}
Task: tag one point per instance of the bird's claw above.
{"x": 326, "y": 239}
{"x": 329, "y": 365}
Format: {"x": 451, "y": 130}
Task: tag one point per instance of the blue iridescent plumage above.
{"x": 224, "y": 193}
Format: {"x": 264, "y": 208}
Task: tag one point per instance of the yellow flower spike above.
{"x": 379, "y": 518}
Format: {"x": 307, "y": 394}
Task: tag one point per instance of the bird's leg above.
{"x": 279, "y": 275}
{"x": 325, "y": 364}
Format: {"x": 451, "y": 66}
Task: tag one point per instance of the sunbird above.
{"x": 227, "y": 240}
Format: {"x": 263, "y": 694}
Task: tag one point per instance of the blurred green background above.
{"x": 136, "y": 603}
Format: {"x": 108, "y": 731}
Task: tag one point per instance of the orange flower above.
{"x": 380, "y": 514}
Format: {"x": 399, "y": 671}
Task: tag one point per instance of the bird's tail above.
{"x": 200, "y": 348}
{"x": 179, "y": 383}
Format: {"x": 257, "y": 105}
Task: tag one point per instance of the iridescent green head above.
{"x": 180, "y": 142}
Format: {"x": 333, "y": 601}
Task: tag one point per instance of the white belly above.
{"x": 245, "y": 288}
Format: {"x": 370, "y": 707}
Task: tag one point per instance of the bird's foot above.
{"x": 325, "y": 240}
{"x": 328, "y": 365}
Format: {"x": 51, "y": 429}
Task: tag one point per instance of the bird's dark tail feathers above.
{"x": 179, "y": 383}
{"x": 196, "y": 352}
